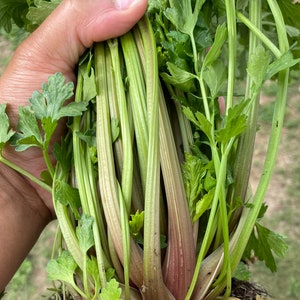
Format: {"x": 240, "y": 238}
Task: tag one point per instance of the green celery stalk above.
{"x": 86, "y": 183}
{"x": 154, "y": 287}
{"x": 107, "y": 177}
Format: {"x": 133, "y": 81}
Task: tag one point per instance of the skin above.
{"x": 55, "y": 46}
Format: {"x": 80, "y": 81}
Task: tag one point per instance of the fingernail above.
{"x": 124, "y": 4}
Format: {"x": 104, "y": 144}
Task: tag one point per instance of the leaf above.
{"x": 216, "y": 48}
{"x": 193, "y": 174}
{"x": 62, "y": 268}
{"x": 179, "y": 78}
{"x": 67, "y": 195}
{"x": 49, "y": 128}
{"x": 92, "y": 269}
{"x": 49, "y": 103}
{"x": 263, "y": 242}
{"x": 12, "y": 11}
{"x": 258, "y": 65}
{"x": 111, "y": 291}
{"x": 40, "y": 11}
{"x": 203, "y": 204}
{"x": 235, "y": 123}
{"x": 200, "y": 121}
{"x": 136, "y": 223}
{"x": 84, "y": 232}
{"x": 115, "y": 129}
{"x": 89, "y": 83}
{"x": 215, "y": 76}
{"x": 5, "y": 132}
{"x": 29, "y": 134}
{"x": 183, "y": 16}
{"x": 285, "y": 61}
{"x": 242, "y": 272}
{"x": 63, "y": 155}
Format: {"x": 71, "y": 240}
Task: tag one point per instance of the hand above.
{"x": 55, "y": 46}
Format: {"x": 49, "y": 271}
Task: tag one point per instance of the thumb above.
{"x": 60, "y": 40}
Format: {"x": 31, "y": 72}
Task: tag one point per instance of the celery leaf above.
{"x": 258, "y": 65}
{"x": 67, "y": 195}
{"x": 49, "y": 102}
{"x": 204, "y": 204}
{"x": 84, "y": 232}
{"x": 48, "y": 107}
{"x": 29, "y": 134}
{"x": 62, "y": 268}
{"x": 285, "y": 61}
{"x": 193, "y": 174}
{"x": 264, "y": 243}
{"x": 111, "y": 291}
{"x": 12, "y": 11}
{"x": 5, "y": 132}
{"x": 136, "y": 223}
{"x": 40, "y": 11}
{"x": 235, "y": 123}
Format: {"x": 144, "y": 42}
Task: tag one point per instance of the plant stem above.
{"x": 154, "y": 286}
{"x": 265, "y": 40}
{"x": 26, "y": 174}
{"x": 232, "y": 46}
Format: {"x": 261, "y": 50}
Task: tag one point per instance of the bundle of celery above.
{"x": 151, "y": 185}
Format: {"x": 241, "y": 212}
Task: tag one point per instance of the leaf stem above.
{"x": 232, "y": 45}
{"x": 265, "y": 40}
{"x": 26, "y": 174}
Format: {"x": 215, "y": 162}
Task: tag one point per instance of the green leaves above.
{"x": 265, "y": 243}
{"x": 49, "y": 103}
{"x": 258, "y": 65}
{"x": 62, "y": 268}
{"x": 46, "y": 109}
{"x": 67, "y": 195}
{"x": 136, "y": 223}
{"x": 12, "y": 11}
{"x": 5, "y": 132}
{"x": 84, "y": 233}
{"x": 235, "y": 123}
{"x": 112, "y": 291}
{"x": 27, "y": 14}
{"x": 29, "y": 134}
{"x": 183, "y": 16}
{"x": 216, "y": 48}
{"x": 40, "y": 11}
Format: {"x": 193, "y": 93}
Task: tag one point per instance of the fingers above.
{"x": 58, "y": 43}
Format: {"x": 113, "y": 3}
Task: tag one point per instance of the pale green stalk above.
{"x": 255, "y": 30}
{"x": 26, "y": 174}
{"x": 126, "y": 138}
{"x": 86, "y": 184}
{"x": 106, "y": 169}
{"x": 232, "y": 46}
{"x": 242, "y": 164}
{"x": 137, "y": 93}
{"x": 153, "y": 287}
{"x": 125, "y": 242}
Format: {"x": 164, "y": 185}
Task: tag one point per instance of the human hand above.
{"x": 56, "y": 46}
